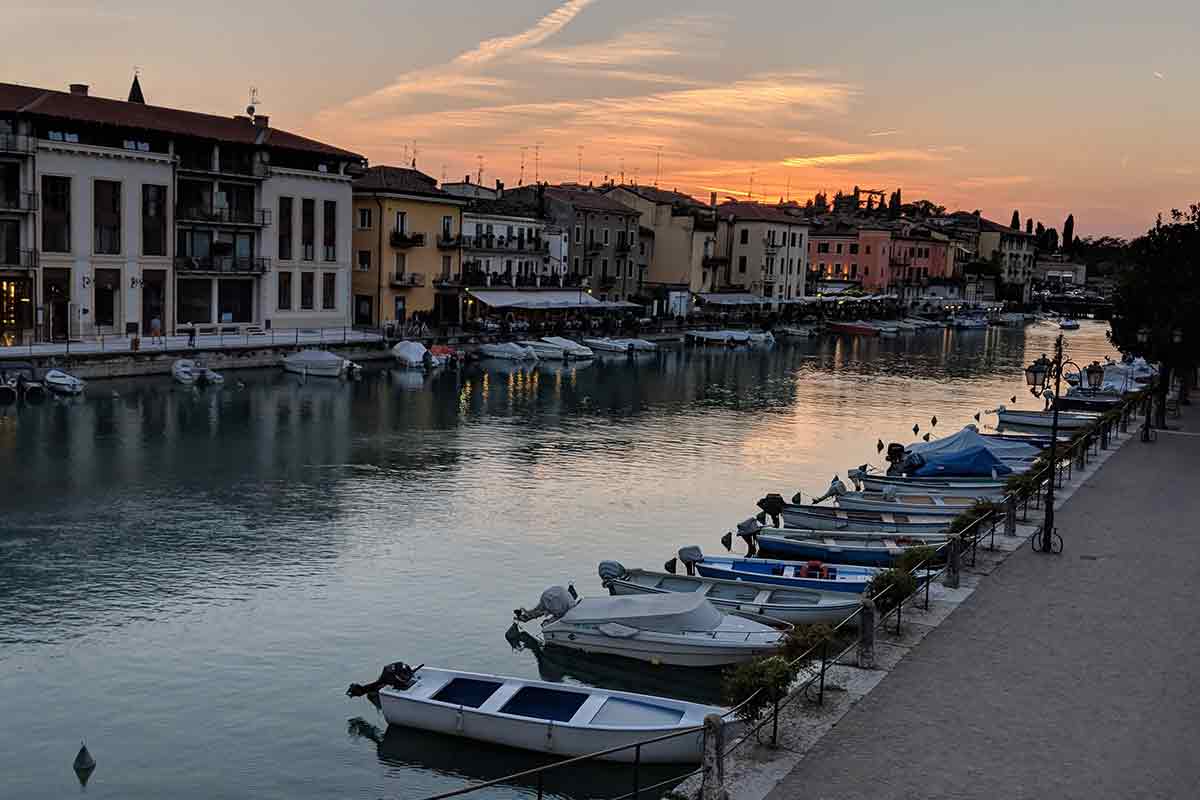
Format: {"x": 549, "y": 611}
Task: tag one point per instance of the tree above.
{"x": 1069, "y": 233}
{"x": 1016, "y": 221}
{"x": 1158, "y": 295}
{"x": 1051, "y": 240}
{"x": 1029, "y": 226}
{"x": 870, "y": 203}
{"x": 1039, "y": 234}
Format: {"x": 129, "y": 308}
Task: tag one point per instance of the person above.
{"x": 192, "y": 336}
{"x": 156, "y": 329}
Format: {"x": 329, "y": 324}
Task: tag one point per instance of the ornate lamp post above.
{"x": 1038, "y": 375}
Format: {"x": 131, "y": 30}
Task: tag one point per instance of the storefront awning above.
{"x": 539, "y": 300}
{"x": 734, "y": 299}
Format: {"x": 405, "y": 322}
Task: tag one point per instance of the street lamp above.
{"x": 1095, "y": 376}
{"x": 1038, "y": 376}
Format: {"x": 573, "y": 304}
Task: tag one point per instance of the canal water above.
{"x": 190, "y": 578}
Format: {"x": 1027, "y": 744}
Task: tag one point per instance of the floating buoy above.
{"x": 933, "y": 422}
{"x": 879, "y": 446}
{"x": 916, "y": 429}
{"x": 83, "y": 764}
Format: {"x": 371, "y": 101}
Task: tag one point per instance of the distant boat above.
{"x": 856, "y": 328}
{"x": 547, "y": 717}
{"x": 189, "y": 372}
{"x": 544, "y": 350}
{"x": 412, "y": 355}
{"x": 63, "y": 383}
{"x": 570, "y": 348}
{"x": 1069, "y": 324}
{"x": 507, "y": 351}
{"x": 319, "y": 364}
{"x": 21, "y": 381}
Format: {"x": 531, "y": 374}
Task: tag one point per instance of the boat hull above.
{"x": 867, "y": 554}
{"x": 828, "y": 519}
{"x": 944, "y": 505}
{"x": 658, "y": 650}
{"x": 947, "y": 487}
{"x": 1037, "y": 419}
{"x": 320, "y": 371}
{"x": 726, "y": 571}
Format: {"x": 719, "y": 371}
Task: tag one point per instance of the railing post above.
{"x": 1010, "y": 515}
{"x": 953, "y": 562}
{"x": 713, "y": 781}
{"x": 775, "y": 723}
{"x": 824, "y": 656}
{"x": 637, "y": 769}
{"x": 866, "y": 633}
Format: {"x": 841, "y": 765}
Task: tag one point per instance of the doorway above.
{"x": 400, "y": 309}
{"x": 56, "y": 294}
{"x": 107, "y": 300}
{"x": 363, "y": 310}
{"x": 154, "y": 299}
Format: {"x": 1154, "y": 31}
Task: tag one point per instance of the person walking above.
{"x": 156, "y": 334}
{"x": 192, "y": 337}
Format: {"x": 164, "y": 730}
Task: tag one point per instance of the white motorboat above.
{"x": 189, "y": 373}
{"x": 969, "y": 323}
{"x": 507, "y": 351}
{"x": 810, "y": 517}
{"x": 1068, "y": 324}
{"x": 570, "y": 348}
{"x": 683, "y": 630}
{"x": 414, "y": 355}
{"x": 946, "y": 487}
{"x": 545, "y": 351}
{"x": 797, "y": 606}
{"x": 560, "y": 719}
{"x": 20, "y": 380}
{"x": 844, "y": 547}
{"x": 319, "y": 364}
{"x": 731, "y": 338}
{"x": 797, "y": 331}
{"x": 63, "y": 383}
{"x": 640, "y": 345}
{"x": 606, "y": 345}
{"x": 1067, "y": 420}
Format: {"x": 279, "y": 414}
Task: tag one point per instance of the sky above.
{"x": 1077, "y": 107}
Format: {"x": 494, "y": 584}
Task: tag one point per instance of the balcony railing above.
{"x": 594, "y": 247}
{"x": 407, "y": 279}
{"x": 506, "y": 244}
{"x": 448, "y": 281}
{"x": 18, "y": 259}
{"x": 771, "y": 245}
{"x": 18, "y": 201}
{"x": 258, "y": 217}
{"x": 225, "y": 265}
{"x": 18, "y": 145}
{"x": 714, "y": 261}
{"x": 241, "y": 169}
{"x": 402, "y": 239}
{"x": 445, "y": 242}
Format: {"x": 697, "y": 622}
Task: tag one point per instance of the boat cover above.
{"x": 670, "y": 613}
{"x": 314, "y": 357}
{"x": 963, "y": 454}
{"x": 410, "y": 354}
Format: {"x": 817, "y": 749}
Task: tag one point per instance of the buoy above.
{"x": 83, "y": 764}
{"x": 916, "y": 429}
{"x": 879, "y": 446}
{"x": 933, "y": 422}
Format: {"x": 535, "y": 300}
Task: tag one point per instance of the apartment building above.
{"x": 505, "y": 243}
{"x": 685, "y": 237}
{"x": 117, "y": 213}
{"x": 767, "y": 251}
{"x": 408, "y": 247}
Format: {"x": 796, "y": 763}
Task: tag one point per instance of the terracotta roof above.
{"x": 588, "y": 199}
{"x": 660, "y": 196}
{"x": 403, "y": 180}
{"x": 511, "y": 204}
{"x": 758, "y": 212}
{"x": 174, "y": 121}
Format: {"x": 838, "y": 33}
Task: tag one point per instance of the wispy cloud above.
{"x": 851, "y": 159}
{"x": 1160, "y": 76}
{"x": 660, "y": 40}
{"x": 885, "y": 133}
{"x": 994, "y": 181}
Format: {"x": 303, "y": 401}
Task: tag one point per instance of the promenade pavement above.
{"x": 213, "y": 342}
{"x": 1070, "y": 676}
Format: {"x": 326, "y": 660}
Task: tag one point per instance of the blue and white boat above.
{"x": 809, "y": 517}
{"x": 796, "y": 574}
{"x": 870, "y": 549}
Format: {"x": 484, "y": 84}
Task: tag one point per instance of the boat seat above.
{"x": 619, "y": 711}
{"x": 538, "y": 702}
{"x": 467, "y": 692}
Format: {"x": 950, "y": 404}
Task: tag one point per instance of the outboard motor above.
{"x": 895, "y": 458}
{"x": 889, "y": 493}
{"x": 396, "y": 675}
{"x": 611, "y": 571}
{"x": 746, "y": 530}
{"x": 554, "y": 602}
{"x": 836, "y": 489}
{"x": 773, "y": 505}
{"x": 856, "y": 476}
{"x": 691, "y": 556}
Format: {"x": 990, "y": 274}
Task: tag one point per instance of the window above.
{"x": 578, "y": 236}
{"x": 604, "y": 266}
{"x": 837, "y": 270}
{"x": 364, "y": 219}
{"x": 154, "y": 220}
{"x": 106, "y": 212}
{"x": 400, "y": 264}
{"x": 447, "y": 262}
{"x": 364, "y": 260}
{"x": 308, "y": 229}
{"x": 742, "y": 263}
{"x": 447, "y": 227}
{"x": 329, "y": 291}
{"x": 402, "y": 222}
{"x": 284, "y": 300}
{"x": 307, "y": 285}
{"x": 866, "y": 271}
{"x": 854, "y": 249}
{"x": 629, "y": 272}
{"x": 329, "y": 231}
{"x": 606, "y": 236}
{"x": 285, "y": 228}
{"x": 839, "y": 247}
{"x": 793, "y": 238}
{"x": 823, "y": 247}
{"x": 56, "y": 214}
{"x": 853, "y": 271}
{"x": 576, "y": 268}
{"x": 745, "y": 236}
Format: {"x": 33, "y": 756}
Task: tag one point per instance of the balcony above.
{"x": 518, "y": 244}
{"x": 237, "y": 169}
{"x": 710, "y": 262}
{"x": 12, "y": 144}
{"x": 401, "y": 240}
{"x": 18, "y": 201}
{"x": 447, "y": 281}
{"x": 608, "y": 281}
{"x": 594, "y": 247}
{"x": 445, "y": 242}
{"x": 18, "y": 259}
{"x": 223, "y": 265}
{"x": 255, "y": 217}
{"x": 405, "y": 280}
{"x": 771, "y": 245}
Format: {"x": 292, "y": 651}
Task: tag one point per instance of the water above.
{"x": 189, "y": 579}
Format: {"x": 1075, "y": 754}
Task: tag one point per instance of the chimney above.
{"x": 712, "y": 199}
{"x": 499, "y": 188}
{"x": 466, "y": 179}
{"x": 79, "y": 89}
{"x": 261, "y": 120}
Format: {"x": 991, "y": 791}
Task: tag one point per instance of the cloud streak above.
{"x": 851, "y": 159}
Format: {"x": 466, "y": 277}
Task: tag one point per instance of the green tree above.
{"x": 1051, "y": 240}
{"x": 1068, "y": 241}
{"x": 1029, "y": 226}
{"x": 1016, "y": 221}
{"x": 1039, "y": 234}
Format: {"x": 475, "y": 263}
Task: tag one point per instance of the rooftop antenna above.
{"x": 414, "y": 154}
{"x": 622, "y": 170}
{"x": 658, "y": 167}
{"x": 479, "y": 174}
{"x": 521, "y": 176}
{"x": 579, "y": 164}
{"x": 537, "y": 163}
{"x": 750, "y": 196}
{"x": 443, "y": 174}
{"x": 250, "y": 106}
{"x": 789, "y": 187}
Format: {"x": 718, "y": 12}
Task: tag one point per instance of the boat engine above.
{"x": 690, "y": 556}
{"x": 396, "y": 675}
{"x": 856, "y": 476}
{"x": 895, "y": 458}
{"x": 773, "y": 505}
{"x": 836, "y": 489}
{"x": 554, "y": 602}
{"x": 611, "y": 571}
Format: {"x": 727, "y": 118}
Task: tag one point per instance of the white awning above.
{"x": 538, "y": 299}
{"x": 734, "y": 299}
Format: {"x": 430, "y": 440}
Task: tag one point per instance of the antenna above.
{"x": 479, "y": 174}
{"x": 521, "y": 176}
{"x": 443, "y": 173}
{"x": 622, "y": 170}
{"x": 579, "y": 164}
{"x": 537, "y": 163}
{"x": 414, "y": 154}
{"x": 789, "y": 187}
{"x": 658, "y": 167}
{"x": 751, "y": 194}
{"x": 250, "y": 105}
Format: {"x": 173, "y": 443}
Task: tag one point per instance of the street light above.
{"x": 1095, "y": 376}
{"x": 1038, "y": 375}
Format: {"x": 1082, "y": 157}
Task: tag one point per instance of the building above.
{"x": 505, "y": 243}
{"x": 767, "y": 251}
{"x": 472, "y": 191}
{"x": 1056, "y": 271}
{"x": 685, "y": 240}
{"x": 838, "y": 255}
{"x": 1015, "y": 252}
{"x": 407, "y": 246}
{"x": 117, "y": 213}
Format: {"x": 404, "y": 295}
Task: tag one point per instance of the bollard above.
{"x": 866, "y": 634}
{"x": 713, "y": 781}
{"x": 953, "y": 562}
{"x": 1010, "y": 515}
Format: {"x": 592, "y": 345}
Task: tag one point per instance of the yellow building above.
{"x": 407, "y": 248}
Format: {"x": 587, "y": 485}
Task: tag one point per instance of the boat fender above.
{"x": 458, "y": 721}
{"x": 727, "y": 540}
{"x": 611, "y": 571}
{"x": 691, "y": 555}
{"x": 670, "y": 565}
{"x": 396, "y": 675}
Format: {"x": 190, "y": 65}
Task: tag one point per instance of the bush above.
{"x": 804, "y": 638}
{"x": 899, "y": 581}
{"x": 913, "y": 557}
{"x": 981, "y": 508}
{"x": 758, "y": 684}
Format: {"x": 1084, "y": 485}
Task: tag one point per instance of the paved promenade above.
{"x": 211, "y": 342}
{"x": 1060, "y": 677}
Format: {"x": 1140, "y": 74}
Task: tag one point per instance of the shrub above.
{"x": 901, "y": 583}
{"x": 804, "y": 638}
{"x": 913, "y": 557}
{"x": 981, "y": 508}
{"x": 758, "y": 684}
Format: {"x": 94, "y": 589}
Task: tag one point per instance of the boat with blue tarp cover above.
{"x": 831, "y": 577}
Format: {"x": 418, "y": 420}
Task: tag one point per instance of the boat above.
{"x": 856, "y": 328}
{"x": 969, "y": 323}
{"x": 507, "y": 351}
{"x": 22, "y": 382}
{"x": 807, "y": 517}
{"x": 896, "y": 500}
{"x": 320, "y": 364}
{"x": 797, "y": 606}
{"x": 843, "y": 547}
{"x": 797, "y": 331}
{"x": 413, "y": 355}
{"x": 640, "y": 345}
{"x": 1068, "y": 324}
{"x": 965, "y": 486}
{"x": 1067, "y": 420}
{"x": 796, "y": 574}
{"x": 190, "y": 372}
{"x": 1088, "y": 400}
{"x": 606, "y": 345}
{"x": 730, "y": 338}
{"x": 544, "y": 350}
{"x": 63, "y": 383}
{"x": 570, "y": 348}
{"x": 886, "y": 328}
{"x": 682, "y": 630}
{"x": 545, "y": 717}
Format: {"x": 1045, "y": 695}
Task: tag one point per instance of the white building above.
{"x": 134, "y": 213}
{"x": 507, "y": 241}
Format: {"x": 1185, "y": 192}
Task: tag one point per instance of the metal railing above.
{"x": 403, "y": 239}
{"x": 945, "y": 559}
{"x": 407, "y": 279}
{"x": 232, "y": 216}
{"x": 19, "y": 259}
{"x": 16, "y": 143}
{"x": 223, "y": 264}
